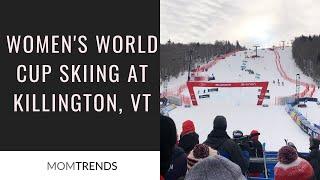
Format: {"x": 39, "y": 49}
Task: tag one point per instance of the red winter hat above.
{"x": 187, "y": 127}
{"x": 254, "y": 135}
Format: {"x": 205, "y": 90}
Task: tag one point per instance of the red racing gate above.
{"x": 192, "y": 84}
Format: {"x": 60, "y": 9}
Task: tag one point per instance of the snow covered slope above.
{"x": 311, "y": 112}
{"x": 238, "y": 105}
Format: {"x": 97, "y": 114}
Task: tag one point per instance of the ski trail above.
{"x": 309, "y": 88}
{"x": 236, "y": 105}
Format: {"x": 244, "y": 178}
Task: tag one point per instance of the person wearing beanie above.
{"x": 243, "y": 143}
{"x": 219, "y": 140}
{"x": 199, "y": 152}
{"x": 314, "y": 156}
{"x": 188, "y": 137}
{"x": 292, "y": 167}
{"x": 215, "y": 168}
{"x": 168, "y": 139}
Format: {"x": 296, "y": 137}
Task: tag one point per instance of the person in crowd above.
{"x": 219, "y": 140}
{"x": 314, "y": 156}
{"x": 168, "y": 139}
{"x": 178, "y": 166}
{"x": 256, "y": 151}
{"x": 243, "y": 143}
{"x": 199, "y": 152}
{"x": 215, "y": 167}
{"x": 188, "y": 137}
{"x": 292, "y": 167}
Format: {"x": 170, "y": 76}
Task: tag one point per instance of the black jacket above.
{"x": 178, "y": 166}
{"x": 188, "y": 141}
{"x": 314, "y": 160}
{"x": 256, "y": 151}
{"x": 220, "y": 141}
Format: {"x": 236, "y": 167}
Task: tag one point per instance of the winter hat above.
{"x": 168, "y": 139}
{"x": 254, "y": 135}
{"x": 287, "y": 155}
{"x": 199, "y": 152}
{"x": 237, "y": 134}
{"x": 215, "y": 167}
{"x": 187, "y": 127}
{"x": 220, "y": 123}
{"x": 292, "y": 167}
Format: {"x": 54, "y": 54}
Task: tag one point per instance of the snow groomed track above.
{"x": 238, "y": 105}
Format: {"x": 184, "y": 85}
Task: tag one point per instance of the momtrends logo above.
{"x": 82, "y": 166}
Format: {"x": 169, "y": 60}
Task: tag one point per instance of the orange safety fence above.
{"x": 177, "y": 91}
{"x": 286, "y": 77}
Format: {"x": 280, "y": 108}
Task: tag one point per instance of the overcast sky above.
{"x": 262, "y": 22}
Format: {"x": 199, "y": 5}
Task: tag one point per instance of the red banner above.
{"x": 192, "y": 84}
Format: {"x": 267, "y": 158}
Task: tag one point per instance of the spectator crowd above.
{"x": 221, "y": 157}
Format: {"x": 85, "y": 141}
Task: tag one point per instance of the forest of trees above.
{"x": 175, "y": 57}
{"x": 306, "y": 53}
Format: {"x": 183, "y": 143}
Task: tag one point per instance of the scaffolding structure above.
{"x": 256, "y": 50}
{"x": 297, "y": 86}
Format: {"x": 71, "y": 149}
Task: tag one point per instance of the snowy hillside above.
{"x": 238, "y": 105}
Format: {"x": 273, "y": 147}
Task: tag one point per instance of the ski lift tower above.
{"x": 193, "y": 50}
{"x": 256, "y": 51}
{"x": 165, "y": 85}
{"x": 283, "y": 44}
{"x": 190, "y": 53}
{"x": 297, "y": 86}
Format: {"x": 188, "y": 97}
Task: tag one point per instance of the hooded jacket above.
{"x": 219, "y": 140}
{"x": 188, "y": 138}
{"x": 314, "y": 157}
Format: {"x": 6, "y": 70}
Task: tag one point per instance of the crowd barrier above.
{"x": 309, "y": 128}
{"x": 166, "y": 109}
{"x": 174, "y": 100}
{"x": 271, "y": 161}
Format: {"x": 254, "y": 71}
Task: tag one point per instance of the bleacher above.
{"x": 271, "y": 161}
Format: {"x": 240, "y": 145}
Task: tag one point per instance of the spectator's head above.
{"x": 187, "y": 127}
{"x": 237, "y": 134}
{"x": 291, "y": 167}
{"x": 314, "y": 143}
{"x": 215, "y": 167}
{"x": 220, "y": 123}
{"x": 255, "y": 135}
{"x": 168, "y": 139}
{"x": 199, "y": 152}
{"x": 287, "y": 155}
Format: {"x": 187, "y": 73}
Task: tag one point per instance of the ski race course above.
{"x": 239, "y": 105}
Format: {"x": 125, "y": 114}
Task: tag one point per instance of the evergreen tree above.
{"x": 175, "y": 57}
